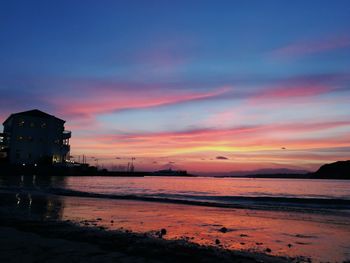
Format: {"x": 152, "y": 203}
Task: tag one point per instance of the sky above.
{"x": 206, "y": 86}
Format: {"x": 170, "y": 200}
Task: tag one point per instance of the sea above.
{"x": 261, "y": 193}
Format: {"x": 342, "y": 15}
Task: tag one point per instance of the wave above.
{"x": 244, "y": 202}
{"x": 314, "y": 205}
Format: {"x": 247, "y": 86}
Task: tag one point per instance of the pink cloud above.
{"x": 292, "y": 92}
{"x": 106, "y": 100}
{"x": 238, "y": 135}
{"x": 311, "y": 47}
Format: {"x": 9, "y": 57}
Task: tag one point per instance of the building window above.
{"x": 43, "y": 125}
{"x": 19, "y": 138}
{"x": 21, "y": 123}
{"x": 32, "y": 125}
{"x": 30, "y": 138}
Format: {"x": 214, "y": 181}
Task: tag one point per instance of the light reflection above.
{"x": 30, "y": 199}
{"x": 18, "y": 199}
{"x": 34, "y": 180}
{"x": 25, "y": 198}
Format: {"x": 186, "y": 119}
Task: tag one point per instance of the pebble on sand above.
{"x": 223, "y": 230}
{"x": 163, "y": 231}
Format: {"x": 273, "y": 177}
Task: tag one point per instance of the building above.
{"x": 34, "y": 137}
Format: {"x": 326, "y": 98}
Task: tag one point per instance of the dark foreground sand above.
{"x": 35, "y": 240}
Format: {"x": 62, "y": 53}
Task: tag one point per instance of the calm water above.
{"x": 247, "y": 192}
{"x": 203, "y": 186}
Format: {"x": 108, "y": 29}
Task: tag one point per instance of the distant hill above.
{"x": 337, "y": 170}
{"x": 270, "y": 172}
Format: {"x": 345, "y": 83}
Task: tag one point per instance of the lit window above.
{"x": 21, "y": 123}
{"x": 19, "y": 138}
{"x": 43, "y": 125}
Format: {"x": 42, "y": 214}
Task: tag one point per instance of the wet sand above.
{"x": 316, "y": 236}
{"x": 30, "y": 239}
{"x": 255, "y": 233}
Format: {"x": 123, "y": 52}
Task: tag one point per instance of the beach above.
{"x": 144, "y": 228}
{"x": 28, "y": 236}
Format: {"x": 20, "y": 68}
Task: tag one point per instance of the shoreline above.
{"x": 338, "y": 171}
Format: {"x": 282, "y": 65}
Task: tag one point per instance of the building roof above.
{"x": 34, "y": 113}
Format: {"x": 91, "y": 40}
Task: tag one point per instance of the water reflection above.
{"x": 32, "y": 181}
{"x": 22, "y": 193}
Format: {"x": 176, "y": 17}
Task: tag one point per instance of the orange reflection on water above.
{"x": 321, "y": 237}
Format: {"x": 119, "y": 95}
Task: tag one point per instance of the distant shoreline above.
{"x": 311, "y": 176}
{"x": 338, "y": 171}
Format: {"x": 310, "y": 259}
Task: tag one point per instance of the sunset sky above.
{"x": 198, "y": 85}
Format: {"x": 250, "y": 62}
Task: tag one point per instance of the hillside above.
{"x": 337, "y": 170}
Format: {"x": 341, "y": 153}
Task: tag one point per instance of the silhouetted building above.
{"x": 34, "y": 137}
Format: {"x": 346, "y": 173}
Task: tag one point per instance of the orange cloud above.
{"x": 250, "y": 144}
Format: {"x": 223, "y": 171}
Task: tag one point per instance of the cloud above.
{"x": 288, "y": 92}
{"x": 236, "y": 139}
{"x": 104, "y": 100}
{"x": 207, "y": 134}
{"x": 221, "y": 158}
{"x": 82, "y": 100}
{"x": 299, "y": 49}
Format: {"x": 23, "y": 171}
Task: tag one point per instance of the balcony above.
{"x": 66, "y": 135}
